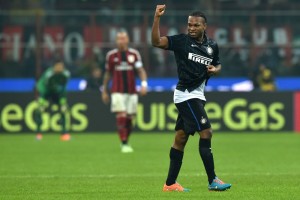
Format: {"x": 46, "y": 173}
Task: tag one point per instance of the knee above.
{"x": 206, "y": 134}
{"x": 121, "y": 114}
{"x": 180, "y": 140}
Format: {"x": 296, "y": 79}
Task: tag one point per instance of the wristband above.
{"x": 144, "y": 84}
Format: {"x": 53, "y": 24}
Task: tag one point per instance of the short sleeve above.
{"x": 216, "y": 60}
{"x": 176, "y": 42}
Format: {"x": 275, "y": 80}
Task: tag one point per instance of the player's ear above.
{"x": 205, "y": 26}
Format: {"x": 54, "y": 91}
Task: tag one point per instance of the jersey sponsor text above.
{"x": 199, "y": 59}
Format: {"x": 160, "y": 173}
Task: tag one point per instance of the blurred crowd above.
{"x": 90, "y": 68}
{"x": 269, "y": 62}
{"x": 143, "y": 5}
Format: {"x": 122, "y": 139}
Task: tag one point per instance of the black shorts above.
{"x": 192, "y": 116}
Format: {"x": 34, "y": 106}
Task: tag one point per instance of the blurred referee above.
{"x": 197, "y": 58}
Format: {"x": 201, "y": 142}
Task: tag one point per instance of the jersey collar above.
{"x": 204, "y": 39}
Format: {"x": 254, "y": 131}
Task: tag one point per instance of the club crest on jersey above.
{"x": 130, "y": 58}
{"x": 203, "y": 120}
{"x": 209, "y": 50}
{"x": 116, "y": 59}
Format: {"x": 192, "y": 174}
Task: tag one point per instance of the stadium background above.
{"x": 34, "y": 33}
{"x": 254, "y": 144}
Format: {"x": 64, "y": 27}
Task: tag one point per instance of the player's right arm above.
{"x": 157, "y": 40}
{"x": 42, "y": 83}
{"x": 105, "y": 94}
{"x": 106, "y": 79}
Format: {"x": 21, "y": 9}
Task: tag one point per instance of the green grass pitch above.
{"x": 259, "y": 166}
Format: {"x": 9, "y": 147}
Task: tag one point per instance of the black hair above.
{"x": 58, "y": 59}
{"x": 198, "y": 14}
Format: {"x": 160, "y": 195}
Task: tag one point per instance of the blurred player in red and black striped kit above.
{"x": 122, "y": 64}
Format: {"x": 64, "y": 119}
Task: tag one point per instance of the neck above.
{"x": 123, "y": 48}
{"x": 200, "y": 39}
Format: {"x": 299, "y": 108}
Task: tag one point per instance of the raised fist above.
{"x": 160, "y": 10}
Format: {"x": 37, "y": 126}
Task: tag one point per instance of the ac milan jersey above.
{"x": 122, "y": 65}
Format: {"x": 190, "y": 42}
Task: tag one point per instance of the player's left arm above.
{"x": 67, "y": 76}
{"x": 63, "y": 97}
{"x": 214, "y": 70}
{"x": 141, "y": 73}
{"x": 144, "y": 84}
{"x": 215, "y": 67}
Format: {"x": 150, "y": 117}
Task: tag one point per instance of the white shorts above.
{"x": 121, "y": 102}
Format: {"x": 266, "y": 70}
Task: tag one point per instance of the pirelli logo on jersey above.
{"x": 199, "y": 59}
{"x": 123, "y": 67}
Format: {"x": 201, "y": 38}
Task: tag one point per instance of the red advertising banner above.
{"x": 92, "y": 35}
{"x": 53, "y": 40}
{"x": 80, "y": 41}
{"x": 11, "y": 39}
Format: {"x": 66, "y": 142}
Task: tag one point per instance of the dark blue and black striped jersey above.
{"x": 192, "y": 59}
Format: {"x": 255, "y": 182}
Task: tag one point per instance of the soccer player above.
{"x": 197, "y": 58}
{"x": 122, "y": 64}
{"x": 52, "y": 87}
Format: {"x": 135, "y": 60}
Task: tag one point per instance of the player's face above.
{"x": 196, "y": 27}
{"x": 122, "y": 40}
{"x": 59, "y": 67}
